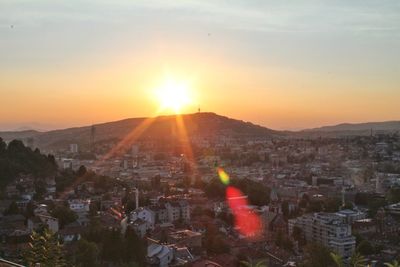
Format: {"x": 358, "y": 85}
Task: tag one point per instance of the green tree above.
{"x": 285, "y": 209}
{"x": 86, "y": 253}
{"x": 393, "y": 196}
{"x": 393, "y": 264}
{"x": 365, "y": 248}
{"x": 337, "y": 259}
{"x": 16, "y": 159}
{"x": 40, "y": 189}
{"x": 134, "y": 247}
{"x": 81, "y": 171}
{"x": 374, "y": 205}
{"x": 45, "y": 250}
{"x": 252, "y": 264}
{"x": 213, "y": 241}
{"x": 112, "y": 246}
{"x": 317, "y": 256}
{"x": 357, "y": 260}
{"x": 298, "y": 235}
{"x": 64, "y": 215}
{"x": 29, "y": 211}
{"x": 12, "y": 209}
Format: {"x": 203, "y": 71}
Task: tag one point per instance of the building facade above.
{"x": 327, "y": 229}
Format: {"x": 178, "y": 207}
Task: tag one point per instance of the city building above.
{"x": 73, "y": 148}
{"x": 328, "y": 229}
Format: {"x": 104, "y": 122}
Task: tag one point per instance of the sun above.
{"x": 173, "y": 95}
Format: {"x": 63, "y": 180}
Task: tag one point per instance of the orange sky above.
{"x": 73, "y": 66}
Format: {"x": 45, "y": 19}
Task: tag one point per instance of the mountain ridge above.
{"x": 160, "y": 127}
{"x": 202, "y": 124}
{"x": 392, "y": 125}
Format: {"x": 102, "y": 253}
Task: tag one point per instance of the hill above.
{"x": 16, "y": 158}
{"x": 11, "y": 135}
{"x": 158, "y": 128}
{"x": 356, "y": 128}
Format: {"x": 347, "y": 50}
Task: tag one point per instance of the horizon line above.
{"x": 23, "y": 127}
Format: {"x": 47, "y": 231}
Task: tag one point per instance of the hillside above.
{"x": 16, "y": 158}
{"x": 357, "y": 128}
{"x": 162, "y": 127}
{"x": 10, "y": 135}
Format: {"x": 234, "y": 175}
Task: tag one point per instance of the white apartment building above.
{"x": 171, "y": 211}
{"x": 179, "y": 210}
{"x": 144, "y": 214}
{"x": 79, "y": 205}
{"x": 351, "y": 216}
{"x": 328, "y": 229}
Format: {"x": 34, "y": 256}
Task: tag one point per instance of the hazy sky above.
{"x": 282, "y": 64}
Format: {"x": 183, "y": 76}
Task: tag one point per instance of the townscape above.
{"x": 155, "y": 203}
{"x": 199, "y": 133}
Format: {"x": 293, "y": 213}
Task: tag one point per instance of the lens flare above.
{"x": 223, "y": 176}
{"x": 247, "y": 222}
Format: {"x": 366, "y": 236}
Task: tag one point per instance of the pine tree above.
{"x": 393, "y": 264}
{"x": 252, "y": 264}
{"x": 45, "y": 249}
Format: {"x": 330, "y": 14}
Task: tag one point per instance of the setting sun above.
{"x": 173, "y": 95}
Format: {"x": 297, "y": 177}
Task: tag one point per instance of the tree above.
{"x": 16, "y": 159}
{"x": 94, "y": 207}
{"x": 304, "y": 201}
{"x": 393, "y": 264}
{"x": 86, "y": 253}
{"x": 337, "y": 259}
{"x": 357, "y": 260}
{"x": 374, "y": 205}
{"x": 45, "y": 250}
{"x": 12, "y": 209}
{"x": 213, "y": 241}
{"x": 94, "y": 232}
{"x": 40, "y": 189}
{"x": 29, "y": 211}
{"x": 365, "y": 248}
{"x": 252, "y": 264}
{"x": 332, "y": 204}
{"x": 317, "y": 256}
{"x": 298, "y": 235}
{"x": 285, "y": 209}
{"x": 64, "y": 215}
{"x": 3, "y": 146}
{"x": 315, "y": 206}
{"x": 393, "y": 195}
{"x": 134, "y": 248}
{"x": 112, "y": 246}
{"x": 81, "y": 171}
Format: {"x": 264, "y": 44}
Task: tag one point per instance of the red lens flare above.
{"x": 246, "y": 221}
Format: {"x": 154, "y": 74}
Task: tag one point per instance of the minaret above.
{"x": 137, "y": 198}
{"x": 343, "y": 197}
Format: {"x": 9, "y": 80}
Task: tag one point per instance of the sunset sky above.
{"x": 281, "y": 64}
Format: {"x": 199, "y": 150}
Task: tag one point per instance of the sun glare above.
{"x": 173, "y": 95}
